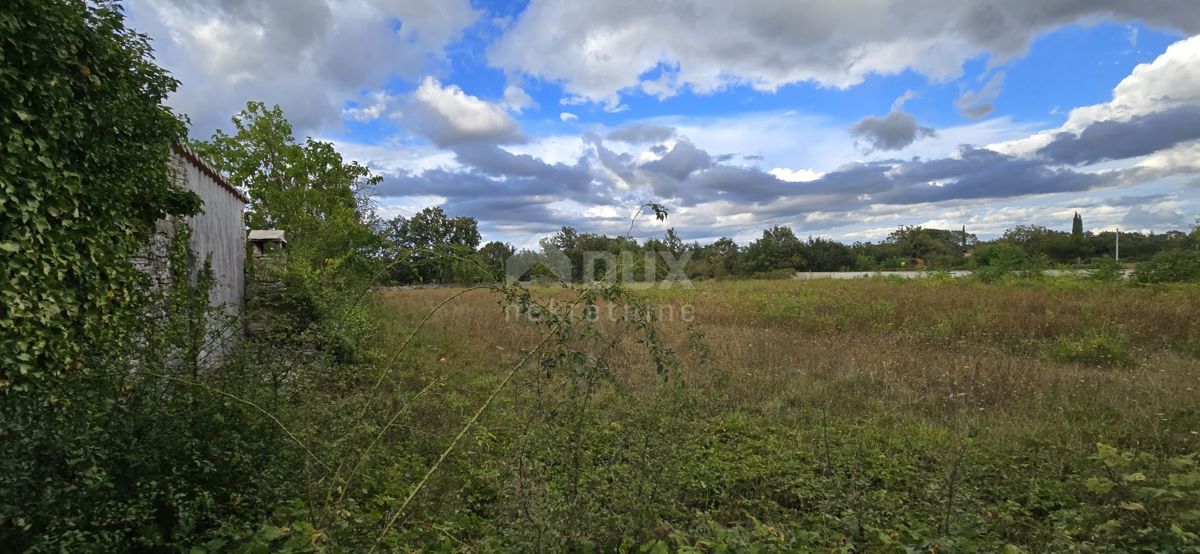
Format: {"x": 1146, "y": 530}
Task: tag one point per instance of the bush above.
{"x": 786, "y": 273}
{"x": 1172, "y": 266}
{"x": 1106, "y": 347}
{"x": 1105, "y": 268}
{"x": 1146, "y": 503}
{"x": 994, "y": 261}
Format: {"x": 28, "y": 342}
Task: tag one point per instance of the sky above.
{"x": 840, "y": 119}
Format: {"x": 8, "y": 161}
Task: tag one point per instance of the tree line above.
{"x": 432, "y": 247}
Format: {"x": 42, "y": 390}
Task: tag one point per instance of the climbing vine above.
{"x": 85, "y": 140}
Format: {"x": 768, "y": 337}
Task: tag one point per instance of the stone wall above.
{"x": 218, "y": 235}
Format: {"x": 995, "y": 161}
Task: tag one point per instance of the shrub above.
{"x": 86, "y": 141}
{"x": 994, "y": 261}
{"x": 1146, "y": 503}
{"x": 1172, "y": 266}
{"x": 775, "y": 274}
{"x": 1105, "y": 347}
{"x": 1105, "y": 268}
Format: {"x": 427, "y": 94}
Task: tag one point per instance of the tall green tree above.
{"x": 778, "y": 249}
{"x": 1036, "y": 241}
{"x": 938, "y": 247}
{"x": 306, "y": 189}
{"x": 826, "y": 255}
{"x": 494, "y": 255}
{"x": 1078, "y": 241}
{"x": 432, "y": 247}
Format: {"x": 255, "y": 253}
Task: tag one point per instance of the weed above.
{"x": 1103, "y": 347}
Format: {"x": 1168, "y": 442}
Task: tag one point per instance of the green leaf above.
{"x": 1099, "y": 485}
{"x": 271, "y": 532}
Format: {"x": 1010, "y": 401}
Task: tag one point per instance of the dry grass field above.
{"x": 824, "y": 415}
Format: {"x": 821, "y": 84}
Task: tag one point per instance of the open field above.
{"x": 827, "y": 415}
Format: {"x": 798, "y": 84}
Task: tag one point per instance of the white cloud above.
{"x": 795, "y": 175}
{"x": 379, "y": 102}
{"x": 600, "y": 50}
{"x": 1170, "y": 81}
{"x": 793, "y": 139}
{"x": 567, "y": 117}
{"x": 1147, "y": 219}
{"x": 554, "y": 149}
{"x": 308, "y": 56}
{"x": 1182, "y": 158}
{"x": 394, "y": 158}
{"x": 665, "y": 86}
{"x": 407, "y": 206}
{"x": 447, "y": 116}
{"x": 516, "y": 99}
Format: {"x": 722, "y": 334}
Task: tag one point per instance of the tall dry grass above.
{"x": 901, "y": 353}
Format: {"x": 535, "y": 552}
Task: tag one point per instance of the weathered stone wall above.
{"x": 218, "y": 235}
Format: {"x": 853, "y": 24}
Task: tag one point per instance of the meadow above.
{"x": 933, "y": 415}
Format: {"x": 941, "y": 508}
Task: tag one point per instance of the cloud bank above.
{"x": 605, "y": 49}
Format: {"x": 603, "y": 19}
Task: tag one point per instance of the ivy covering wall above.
{"x": 84, "y": 143}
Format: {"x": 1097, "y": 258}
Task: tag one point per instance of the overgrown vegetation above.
{"x": 1170, "y": 267}
{"x": 1010, "y": 412}
{"x": 872, "y": 415}
{"x": 101, "y": 451}
{"x": 85, "y": 142}
{"x": 117, "y": 432}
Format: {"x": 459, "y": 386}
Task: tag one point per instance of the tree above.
{"x": 307, "y": 190}
{"x": 672, "y": 242}
{"x": 826, "y": 255}
{"x": 938, "y": 246}
{"x": 778, "y": 249}
{"x": 1036, "y": 240}
{"x": 564, "y": 240}
{"x": 724, "y": 257}
{"x": 1078, "y": 242}
{"x": 493, "y": 256}
{"x": 431, "y": 227}
{"x": 432, "y": 247}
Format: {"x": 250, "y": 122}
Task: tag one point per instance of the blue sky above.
{"x": 841, "y": 119}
